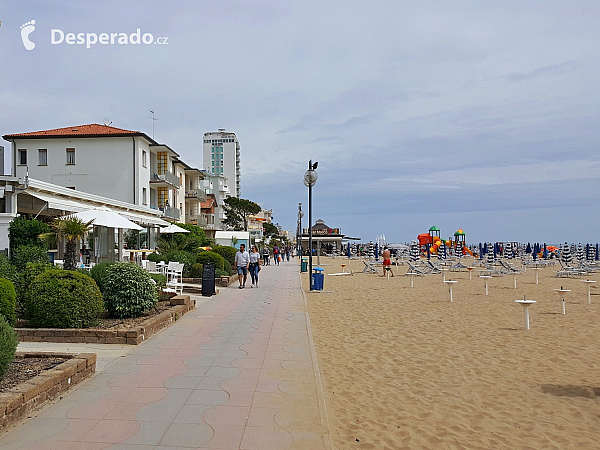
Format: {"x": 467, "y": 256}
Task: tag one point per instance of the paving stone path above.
{"x": 239, "y": 372}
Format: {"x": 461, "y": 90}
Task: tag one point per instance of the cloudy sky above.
{"x": 474, "y": 114}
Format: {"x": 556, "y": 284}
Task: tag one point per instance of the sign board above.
{"x": 208, "y": 280}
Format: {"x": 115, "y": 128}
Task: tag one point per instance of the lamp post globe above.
{"x": 310, "y": 179}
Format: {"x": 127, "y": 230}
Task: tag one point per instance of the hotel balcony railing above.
{"x": 199, "y": 194}
{"x": 170, "y": 212}
{"x": 207, "y": 221}
{"x": 167, "y": 177}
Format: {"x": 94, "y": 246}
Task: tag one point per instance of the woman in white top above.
{"x": 254, "y": 266}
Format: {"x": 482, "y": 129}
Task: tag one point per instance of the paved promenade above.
{"x": 239, "y": 372}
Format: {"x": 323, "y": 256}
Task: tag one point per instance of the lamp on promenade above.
{"x": 299, "y": 231}
{"x": 310, "y": 179}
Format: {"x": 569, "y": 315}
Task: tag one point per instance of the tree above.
{"x": 72, "y": 229}
{"x": 269, "y": 230}
{"x": 237, "y": 211}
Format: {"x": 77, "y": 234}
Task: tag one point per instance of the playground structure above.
{"x": 432, "y": 242}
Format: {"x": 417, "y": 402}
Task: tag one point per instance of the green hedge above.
{"x": 196, "y": 270}
{"x": 24, "y": 279}
{"x": 187, "y": 258}
{"x": 98, "y": 273}
{"x": 128, "y": 291}
{"x": 226, "y": 252}
{"x": 8, "y": 301}
{"x": 8, "y": 345}
{"x": 155, "y": 257}
{"x": 29, "y": 254}
{"x": 63, "y": 299}
{"x": 22, "y": 231}
{"x": 7, "y": 270}
{"x": 211, "y": 257}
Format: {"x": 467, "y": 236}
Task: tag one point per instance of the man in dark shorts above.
{"x": 387, "y": 262}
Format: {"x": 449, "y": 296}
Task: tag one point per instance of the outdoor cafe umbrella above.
{"x": 104, "y": 217}
{"x": 172, "y": 228}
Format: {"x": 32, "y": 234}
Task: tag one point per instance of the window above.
{"x": 144, "y": 158}
{"x": 70, "y": 156}
{"x": 42, "y": 157}
{"x": 22, "y": 157}
{"x": 144, "y": 194}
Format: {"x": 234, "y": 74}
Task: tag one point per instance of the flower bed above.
{"x": 180, "y": 305}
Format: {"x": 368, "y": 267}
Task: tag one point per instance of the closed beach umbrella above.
{"x": 508, "y": 251}
{"x": 528, "y": 249}
{"x": 414, "y": 251}
{"x": 371, "y": 250}
{"x": 545, "y": 251}
{"x": 580, "y": 255}
{"x": 376, "y": 251}
{"x": 566, "y": 256}
{"x": 597, "y": 253}
{"x": 349, "y": 250}
{"x": 496, "y": 250}
{"x": 589, "y": 252}
{"x": 535, "y": 251}
{"x": 428, "y": 253}
{"x": 490, "y": 256}
{"x": 480, "y": 251}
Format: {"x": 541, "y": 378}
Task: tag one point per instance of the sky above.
{"x": 479, "y": 115}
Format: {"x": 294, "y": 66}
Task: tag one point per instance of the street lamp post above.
{"x": 299, "y": 231}
{"x": 310, "y": 179}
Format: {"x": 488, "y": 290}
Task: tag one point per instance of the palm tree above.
{"x": 72, "y": 229}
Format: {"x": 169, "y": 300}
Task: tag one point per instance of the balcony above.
{"x": 207, "y": 221}
{"x": 169, "y": 212}
{"x": 195, "y": 194}
{"x": 167, "y": 179}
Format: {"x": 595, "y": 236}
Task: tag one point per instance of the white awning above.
{"x": 75, "y": 206}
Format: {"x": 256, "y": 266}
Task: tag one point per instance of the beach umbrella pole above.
{"x": 515, "y": 280}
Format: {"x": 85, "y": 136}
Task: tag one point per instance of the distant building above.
{"x": 221, "y": 156}
{"x": 1, "y": 160}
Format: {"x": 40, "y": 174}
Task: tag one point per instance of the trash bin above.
{"x": 304, "y": 265}
{"x": 317, "y": 279}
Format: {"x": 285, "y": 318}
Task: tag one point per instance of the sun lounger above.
{"x": 369, "y": 268}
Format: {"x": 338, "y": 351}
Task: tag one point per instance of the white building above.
{"x": 221, "y": 156}
{"x": 114, "y": 163}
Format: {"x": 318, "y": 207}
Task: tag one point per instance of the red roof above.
{"x": 90, "y": 130}
{"x": 207, "y": 204}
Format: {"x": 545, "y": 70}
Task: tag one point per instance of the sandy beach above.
{"x": 403, "y": 367}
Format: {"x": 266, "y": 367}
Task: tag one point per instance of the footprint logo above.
{"x": 26, "y": 30}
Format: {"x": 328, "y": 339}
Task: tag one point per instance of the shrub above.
{"x": 160, "y": 280}
{"x": 7, "y": 270}
{"x": 24, "y": 279}
{"x": 187, "y": 258}
{"x": 8, "y": 301}
{"x": 211, "y": 257}
{"x": 227, "y": 267}
{"x": 220, "y": 273}
{"x": 196, "y": 237}
{"x": 155, "y": 257}
{"x": 128, "y": 291}
{"x": 196, "y": 270}
{"x": 8, "y": 345}
{"x": 29, "y": 254}
{"x": 22, "y": 231}
{"x": 63, "y": 299}
{"x": 98, "y": 273}
{"x": 226, "y": 252}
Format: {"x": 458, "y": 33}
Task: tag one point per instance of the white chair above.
{"x": 59, "y": 263}
{"x": 172, "y": 270}
{"x": 175, "y": 284}
{"x": 151, "y": 267}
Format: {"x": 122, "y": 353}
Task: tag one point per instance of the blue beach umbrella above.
{"x": 376, "y": 252}
{"x": 428, "y": 252}
{"x": 528, "y": 249}
{"x": 480, "y": 251}
{"x": 349, "y": 251}
{"x": 496, "y": 250}
{"x": 536, "y": 250}
{"x": 545, "y": 251}
{"x": 597, "y": 253}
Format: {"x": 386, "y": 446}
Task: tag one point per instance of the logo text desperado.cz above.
{"x": 58, "y": 37}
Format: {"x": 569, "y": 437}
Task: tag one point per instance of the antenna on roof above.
{"x": 106, "y": 122}
{"x": 153, "y": 119}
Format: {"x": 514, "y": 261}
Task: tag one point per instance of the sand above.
{"x": 404, "y": 368}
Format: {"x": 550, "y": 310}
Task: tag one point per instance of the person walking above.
{"x": 265, "y": 254}
{"x": 254, "y": 266}
{"x": 276, "y": 255}
{"x": 287, "y": 252}
{"x": 242, "y": 261}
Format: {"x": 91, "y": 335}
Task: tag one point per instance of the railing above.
{"x": 167, "y": 177}
{"x": 199, "y": 194}
{"x": 170, "y": 212}
{"x": 206, "y": 221}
